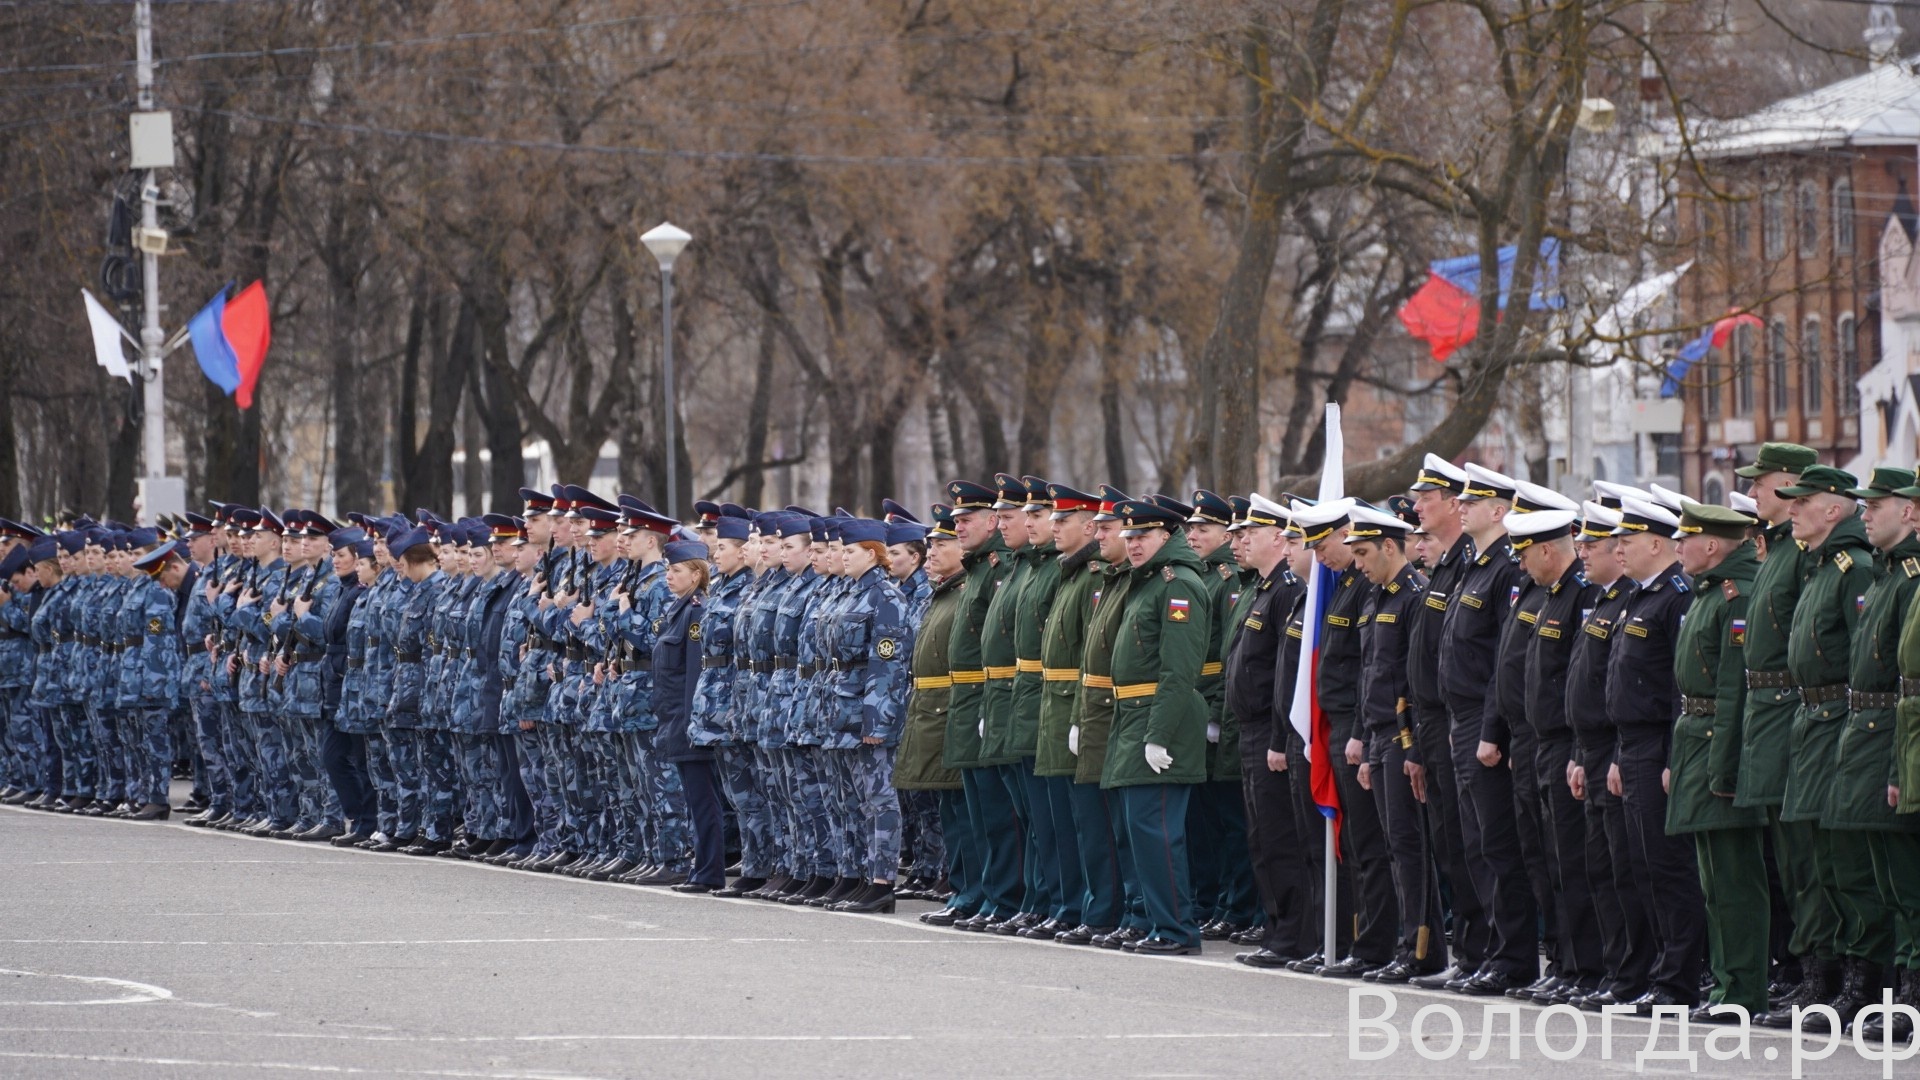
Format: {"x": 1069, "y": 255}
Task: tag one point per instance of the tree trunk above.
{"x": 759, "y": 414}
{"x": 406, "y": 418}
{"x": 431, "y": 482}
{"x": 9, "y": 444}
{"x": 122, "y": 406}
{"x": 473, "y": 474}
{"x": 500, "y": 413}
{"x": 353, "y": 456}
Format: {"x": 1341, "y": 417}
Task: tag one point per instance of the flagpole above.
{"x": 152, "y": 337}
{"x": 1330, "y": 907}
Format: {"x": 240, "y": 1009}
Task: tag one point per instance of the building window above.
{"x": 1711, "y": 378}
{"x": 1777, "y": 367}
{"x": 1813, "y": 376}
{"x": 1808, "y": 215}
{"x": 1773, "y": 223}
{"x": 1740, "y": 227}
{"x": 1847, "y": 348}
{"x": 1843, "y": 216}
{"x": 1743, "y": 370}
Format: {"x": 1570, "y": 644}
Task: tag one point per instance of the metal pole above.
{"x": 1330, "y": 899}
{"x": 151, "y": 336}
{"x": 673, "y": 456}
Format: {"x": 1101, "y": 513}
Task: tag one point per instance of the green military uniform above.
{"x": 1709, "y": 667}
{"x": 1046, "y": 890}
{"x": 1063, "y": 644}
{"x": 1819, "y": 657}
{"x": 917, "y": 764}
{"x": 1760, "y": 737}
{"x": 1116, "y": 893}
{"x": 1896, "y": 851}
{"x": 1061, "y": 641}
{"x": 1161, "y": 644}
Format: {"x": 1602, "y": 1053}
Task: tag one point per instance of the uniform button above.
{"x": 1709, "y": 733}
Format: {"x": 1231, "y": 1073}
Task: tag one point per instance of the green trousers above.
{"x": 1896, "y": 869}
{"x": 1816, "y": 925}
{"x": 1846, "y": 875}
{"x": 1733, "y": 880}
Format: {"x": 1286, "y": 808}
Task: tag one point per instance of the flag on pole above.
{"x": 1711, "y": 338}
{"x": 107, "y": 335}
{"x": 1445, "y": 312}
{"x": 230, "y": 340}
{"x": 1305, "y": 713}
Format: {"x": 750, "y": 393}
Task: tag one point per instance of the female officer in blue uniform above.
{"x": 676, "y": 676}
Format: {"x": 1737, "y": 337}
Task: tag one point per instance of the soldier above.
{"x": 1896, "y": 848}
{"x": 716, "y": 719}
{"x": 1469, "y": 647}
{"x": 1378, "y": 543}
{"x": 299, "y": 675}
{"x": 795, "y": 763}
{"x": 920, "y": 809}
{"x": 1090, "y": 733}
{"x": 1729, "y": 841}
{"x": 1429, "y": 763}
{"x": 1217, "y": 832}
{"x": 1837, "y": 574}
{"x": 1011, "y": 840}
{"x": 1642, "y": 701}
{"x": 919, "y": 761}
{"x": 29, "y": 741}
{"x": 1077, "y": 816}
{"x": 252, "y": 622}
{"x": 151, "y": 664}
{"x": 1157, "y": 749}
{"x": 406, "y": 634}
{"x": 345, "y": 750}
{"x": 486, "y": 762}
{"x": 69, "y": 780}
{"x": 676, "y": 660}
{"x": 1054, "y": 885}
{"x": 1275, "y": 848}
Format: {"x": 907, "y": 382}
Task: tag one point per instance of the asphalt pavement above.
{"x": 155, "y": 950}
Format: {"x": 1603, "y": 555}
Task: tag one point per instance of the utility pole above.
{"x": 151, "y": 134}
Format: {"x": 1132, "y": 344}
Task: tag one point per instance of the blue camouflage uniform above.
{"x": 197, "y": 685}
{"x": 147, "y": 684}
{"x": 29, "y": 740}
{"x": 252, "y": 623}
{"x": 801, "y": 785}
{"x": 716, "y": 720}
{"x": 74, "y": 770}
{"x": 870, "y": 638}
{"x": 756, "y": 637}
{"x": 665, "y": 838}
{"x": 407, "y": 628}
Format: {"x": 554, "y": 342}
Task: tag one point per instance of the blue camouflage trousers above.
{"x": 843, "y": 807}
{"x": 79, "y": 761}
{"x": 110, "y": 767}
{"x": 318, "y": 802}
{"x": 920, "y": 814}
{"x": 666, "y": 826}
{"x": 440, "y": 772}
{"x": 29, "y": 741}
{"x": 207, "y": 727}
{"x": 558, "y": 772}
{"x": 240, "y": 738}
{"x": 770, "y": 773}
{"x": 740, "y": 780}
{"x": 820, "y": 839}
{"x": 531, "y": 749}
{"x": 483, "y": 775}
{"x": 875, "y": 811}
{"x": 274, "y": 751}
{"x": 393, "y": 757}
{"x": 149, "y": 754}
{"x": 589, "y": 788}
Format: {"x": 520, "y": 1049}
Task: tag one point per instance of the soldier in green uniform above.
{"x": 1158, "y": 747}
{"x": 918, "y": 764}
{"x": 1047, "y": 901}
{"x": 1858, "y": 819}
{"x": 990, "y": 809}
{"x": 1760, "y": 734}
{"x": 1839, "y": 570}
{"x": 1729, "y": 842}
{"x": 1896, "y": 849}
{"x": 1010, "y": 842}
{"x": 1063, "y": 642}
{"x": 1092, "y": 726}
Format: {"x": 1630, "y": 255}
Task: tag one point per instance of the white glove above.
{"x": 983, "y": 729}
{"x": 1157, "y": 758}
{"x": 1073, "y": 739}
{"x": 1213, "y": 733}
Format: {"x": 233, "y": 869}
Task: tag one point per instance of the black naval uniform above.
{"x": 1556, "y": 629}
{"x": 1468, "y": 650}
{"x": 1363, "y": 843}
{"x": 1387, "y": 720}
{"x": 1644, "y": 701}
{"x": 1281, "y": 872}
{"x": 1472, "y": 938}
{"x": 1307, "y": 820}
{"x": 1516, "y": 742}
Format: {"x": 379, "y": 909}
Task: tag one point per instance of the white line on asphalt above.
{"x": 425, "y": 941}
{"x": 293, "y": 1066}
{"x": 142, "y": 992}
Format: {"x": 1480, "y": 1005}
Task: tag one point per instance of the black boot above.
{"x": 1895, "y": 1026}
{"x": 875, "y": 899}
{"x": 1859, "y": 987}
{"x": 1821, "y": 980}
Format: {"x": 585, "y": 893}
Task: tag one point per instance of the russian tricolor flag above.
{"x": 230, "y": 339}
{"x": 1308, "y": 718}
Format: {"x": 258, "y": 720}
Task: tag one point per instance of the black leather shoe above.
{"x": 695, "y": 888}
{"x": 660, "y": 877}
{"x": 325, "y": 831}
{"x": 1265, "y": 959}
{"x": 875, "y": 899}
{"x": 1349, "y": 967}
{"x": 1393, "y": 974}
{"x": 815, "y": 887}
{"x": 1081, "y": 935}
{"x": 1525, "y": 993}
{"x": 1459, "y": 985}
{"x": 1005, "y": 927}
{"x": 1220, "y": 930}
{"x": 1309, "y": 964}
{"x": 1156, "y": 946}
{"x": 151, "y": 812}
{"x": 974, "y": 924}
{"x": 1045, "y": 930}
{"x": 740, "y": 887}
{"x": 1252, "y": 935}
{"x": 1652, "y": 999}
{"x": 352, "y": 839}
{"x": 943, "y": 916}
{"x": 1705, "y": 1015}
{"x": 607, "y": 871}
{"x": 425, "y": 847}
{"x": 1492, "y": 984}
{"x": 843, "y": 889}
{"x": 1439, "y": 979}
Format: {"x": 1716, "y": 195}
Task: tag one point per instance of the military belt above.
{"x": 760, "y": 667}
{"x": 1864, "y": 699}
{"x": 1060, "y": 674}
{"x": 195, "y": 648}
{"x": 933, "y": 682}
{"x": 1097, "y": 682}
{"x": 54, "y": 636}
{"x": 403, "y": 657}
{"x": 1910, "y": 687}
{"x": 356, "y": 662}
{"x": 1007, "y": 672}
{"x": 576, "y": 654}
{"x": 1769, "y": 680}
{"x": 507, "y": 681}
{"x": 308, "y": 657}
{"x": 9, "y": 635}
{"x": 1030, "y": 667}
{"x": 1129, "y": 691}
{"x": 1698, "y": 706}
{"x": 807, "y": 671}
{"x": 708, "y": 662}
{"x": 969, "y": 677}
{"x": 1820, "y": 695}
{"x": 741, "y": 662}
{"x": 1213, "y": 667}
{"x": 636, "y": 663}
{"x": 841, "y": 666}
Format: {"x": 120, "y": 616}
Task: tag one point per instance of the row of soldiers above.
{"x": 1629, "y": 731}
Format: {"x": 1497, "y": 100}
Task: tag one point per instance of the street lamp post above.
{"x": 666, "y": 241}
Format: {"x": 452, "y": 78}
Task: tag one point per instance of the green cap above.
{"x": 1821, "y": 479}
{"x": 1885, "y": 482}
{"x": 1706, "y": 519}
{"x": 1786, "y": 457}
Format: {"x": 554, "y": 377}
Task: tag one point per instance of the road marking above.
{"x": 141, "y": 992}
{"x": 293, "y": 1066}
{"x": 396, "y": 941}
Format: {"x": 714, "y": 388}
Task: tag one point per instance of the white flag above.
{"x": 1615, "y": 321}
{"x": 107, "y": 336}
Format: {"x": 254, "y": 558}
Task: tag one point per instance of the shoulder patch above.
{"x": 1911, "y": 566}
{"x": 886, "y": 648}
{"x": 1167, "y": 572}
{"x": 1731, "y": 589}
{"x": 1737, "y": 632}
{"x": 1178, "y": 610}
{"x": 1226, "y": 572}
{"x": 1680, "y": 583}
{"x": 1843, "y": 560}
{"x": 156, "y": 626}
{"x": 1392, "y": 587}
{"x": 693, "y": 632}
